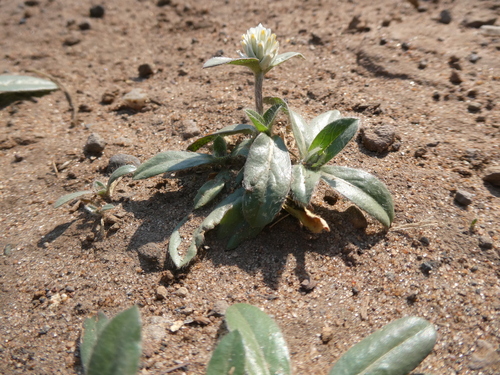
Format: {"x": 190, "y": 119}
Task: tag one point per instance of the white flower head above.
{"x": 260, "y": 43}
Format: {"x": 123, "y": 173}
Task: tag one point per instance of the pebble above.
{"x": 422, "y": 64}
{"x": 445, "y": 17}
{"x": 379, "y": 139}
{"x": 162, "y": 3}
{"x": 176, "y": 326}
{"x": 85, "y": 108}
{"x": 356, "y": 217}
{"x": 119, "y": 160}
{"x": 135, "y": 99}
{"x": 31, "y": 3}
{"x": 95, "y": 144}
{"x": 161, "y": 293}
{"x": 476, "y": 24}
{"x": 182, "y": 292}
{"x": 454, "y": 62}
{"x": 463, "y": 197}
{"x": 490, "y": 30}
{"x": 219, "y": 308}
{"x": 326, "y": 335}
{"x": 152, "y": 254}
{"x": 428, "y": 266}
{"x": 189, "y": 129}
{"x": 485, "y": 242}
{"x": 84, "y": 25}
{"x": 97, "y": 11}
{"x": 455, "y": 78}
{"x": 474, "y": 58}
{"x": 492, "y": 175}
{"x": 71, "y": 40}
{"x": 108, "y": 97}
{"x": 424, "y": 241}
{"x": 145, "y": 70}
{"x": 308, "y": 285}
{"x": 474, "y": 107}
{"x": 420, "y": 152}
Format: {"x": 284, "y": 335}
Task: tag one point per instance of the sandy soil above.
{"x": 397, "y": 66}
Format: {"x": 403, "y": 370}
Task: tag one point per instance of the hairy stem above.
{"x": 259, "y": 80}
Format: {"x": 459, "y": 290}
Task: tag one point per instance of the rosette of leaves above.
{"x": 268, "y": 182}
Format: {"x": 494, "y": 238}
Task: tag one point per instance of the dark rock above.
{"x": 474, "y": 58}
{"x": 71, "y": 40}
{"x": 151, "y": 253}
{"x": 356, "y": 217}
{"x": 95, "y": 144}
{"x": 189, "y": 129}
{"x": 445, "y": 17}
{"x": 355, "y": 291}
{"x": 424, "y": 241}
{"x": 162, "y": 3}
{"x": 436, "y": 95}
{"x": 379, "y": 139}
{"x": 492, "y": 175}
{"x": 383, "y": 41}
{"x": 119, "y": 160}
{"x": 84, "y": 108}
{"x": 308, "y": 285}
{"x": 108, "y": 97}
{"x": 32, "y": 3}
{"x": 405, "y": 46}
{"x": 219, "y": 308}
{"x": 85, "y": 25}
{"x": 97, "y": 11}
{"x": 474, "y": 107}
{"x": 145, "y": 70}
{"x": 481, "y": 119}
{"x": 485, "y": 242}
{"x": 420, "y": 152}
{"x": 316, "y": 40}
{"x": 18, "y": 158}
{"x": 412, "y": 298}
{"x": 476, "y": 24}
{"x": 455, "y": 78}
{"x": 453, "y": 62}
{"x": 422, "y": 64}
{"x": 463, "y": 197}
{"x": 428, "y": 266}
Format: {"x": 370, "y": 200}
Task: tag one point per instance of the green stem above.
{"x": 259, "y": 80}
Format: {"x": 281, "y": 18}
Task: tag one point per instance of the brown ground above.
{"x": 55, "y": 273}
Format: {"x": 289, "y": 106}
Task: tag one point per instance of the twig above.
{"x": 173, "y": 368}
{"x": 64, "y": 90}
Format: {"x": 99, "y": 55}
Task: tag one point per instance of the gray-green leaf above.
{"x": 211, "y": 189}
{"x": 265, "y": 348}
{"x": 257, "y": 120}
{"x": 363, "y": 189}
{"x": 228, "y": 130}
{"x": 228, "y": 357}
{"x": 280, "y": 59}
{"x": 266, "y": 180}
{"x": 251, "y": 63}
{"x": 118, "y": 346}
{"x": 331, "y": 140}
{"x": 92, "y": 328}
{"x": 69, "y": 197}
{"x": 171, "y": 161}
{"x": 120, "y": 172}
{"x": 304, "y": 182}
{"x": 13, "y": 84}
{"x": 396, "y": 349}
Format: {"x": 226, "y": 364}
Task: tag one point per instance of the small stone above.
{"x": 422, "y": 64}
{"x": 436, "y": 95}
{"x": 308, "y": 285}
{"x": 97, "y": 11}
{"x": 145, "y": 70}
{"x": 428, "y": 266}
{"x": 405, "y": 46}
{"x": 355, "y": 291}
{"x": 161, "y": 293}
{"x": 485, "y": 242}
{"x": 38, "y": 294}
{"x": 379, "y": 139}
{"x": 455, "y": 78}
{"x": 474, "y": 58}
{"x": 150, "y": 254}
{"x": 412, "y": 298}
{"x": 490, "y": 30}
{"x": 463, "y": 197}
{"x": 445, "y": 17}
{"x": 476, "y": 24}
{"x": 69, "y": 289}
{"x": 85, "y": 25}
{"x": 356, "y": 217}
{"x": 85, "y": 108}
{"x": 219, "y": 308}
{"x": 31, "y": 3}
{"x": 162, "y": 3}
{"x": 481, "y": 119}
{"x": 18, "y": 158}
{"x": 201, "y": 320}
{"x": 108, "y": 97}
{"x": 326, "y": 335}
{"x": 189, "y": 129}
{"x": 474, "y": 107}
{"x": 95, "y": 144}
{"x": 425, "y": 241}
{"x": 182, "y": 292}
{"x": 71, "y": 40}
{"x": 135, "y": 99}
{"x": 420, "y": 152}
{"x": 182, "y": 72}
{"x": 383, "y": 41}
{"x": 454, "y": 62}
{"x": 492, "y": 175}
{"x": 119, "y": 160}
{"x": 176, "y": 326}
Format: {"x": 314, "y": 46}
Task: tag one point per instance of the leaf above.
{"x": 299, "y": 129}
{"x": 363, "y": 189}
{"x": 99, "y": 187}
{"x": 106, "y": 207}
{"x": 69, "y": 197}
{"x": 113, "y": 179}
{"x": 228, "y": 130}
{"x": 304, "y": 182}
{"x": 331, "y": 140}
{"x": 280, "y": 59}
{"x": 251, "y": 63}
{"x": 319, "y": 123}
{"x": 270, "y": 115}
{"x": 267, "y": 179}
{"x": 257, "y": 120}
{"x": 229, "y": 356}
{"x": 13, "y": 84}
{"x": 118, "y": 346}
{"x": 211, "y": 189}
{"x": 220, "y": 147}
{"x": 242, "y": 148}
{"x": 313, "y": 222}
{"x": 209, "y": 223}
{"x": 171, "y": 161}
{"x": 265, "y": 348}
{"x": 396, "y": 349}
{"x": 91, "y": 330}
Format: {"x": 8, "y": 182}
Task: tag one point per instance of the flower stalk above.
{"x": 259, "y": 81}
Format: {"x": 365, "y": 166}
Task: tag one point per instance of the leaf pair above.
{"x": 264, "y": 123}
{"x": 255, "y": 345}
{"x": 251, "y": 63}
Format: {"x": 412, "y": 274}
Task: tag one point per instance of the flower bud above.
{"x": 260, "y": 43}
